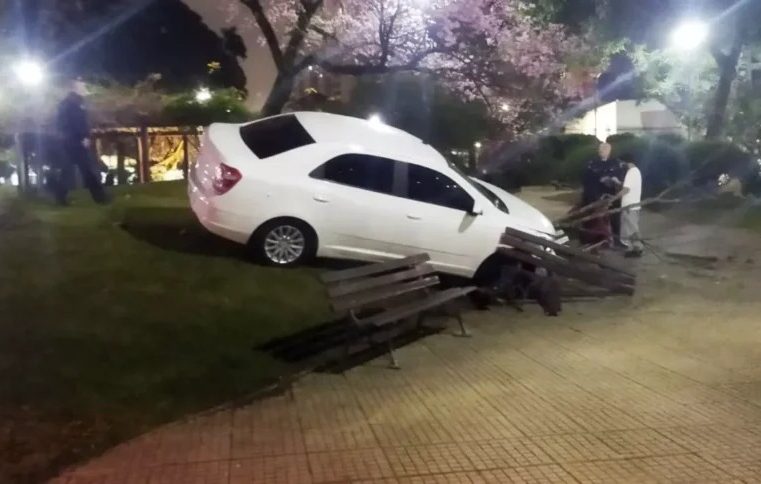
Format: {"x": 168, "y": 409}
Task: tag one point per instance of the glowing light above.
{"x": 478, "y": 145}
{"x": 29, "y": 72}
{"x": 203, "y": 95}
{"x": 505, "y": 107}
{"x": 689, "y": 35}
{"x": 376, "y": 120}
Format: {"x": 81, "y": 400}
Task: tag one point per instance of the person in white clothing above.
{"x": 630, "y": 204}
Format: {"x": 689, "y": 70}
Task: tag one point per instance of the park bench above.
{"x": 378, "y": 296}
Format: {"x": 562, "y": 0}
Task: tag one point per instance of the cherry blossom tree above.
{"x": 490, "y": 49}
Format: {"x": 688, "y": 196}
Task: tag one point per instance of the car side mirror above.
{"x": 476, "y": 210}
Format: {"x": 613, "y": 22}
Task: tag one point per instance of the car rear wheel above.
{"x": 284, "y": 242}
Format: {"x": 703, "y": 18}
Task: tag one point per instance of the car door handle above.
{"x": 413, "y": 216}
{"x": 321, "y": 198}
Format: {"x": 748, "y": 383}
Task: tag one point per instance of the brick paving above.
{"x": 595, "y": 396}
{"x": 662, "y": 388}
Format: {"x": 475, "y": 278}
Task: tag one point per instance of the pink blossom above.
{"x": 487, "y": 49}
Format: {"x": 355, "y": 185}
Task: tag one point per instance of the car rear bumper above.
{"x": 216, "y": 220}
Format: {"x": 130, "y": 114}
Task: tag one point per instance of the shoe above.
{"x": 633, "y": 254}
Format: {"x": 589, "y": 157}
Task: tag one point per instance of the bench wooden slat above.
{"x": 546, "y": 256}
{"x": 565, "y": 250}
{"x": 568, "y": 270}
{"x": 373, "y": 269}
{"x": 363, "y": 284}
{"x": 411, "y": 309}
{"x": 358, "y": 300}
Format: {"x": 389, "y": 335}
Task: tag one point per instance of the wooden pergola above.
{"x": 36, "y": 146}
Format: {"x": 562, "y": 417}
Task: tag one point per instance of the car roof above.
{"x": 367, "y": 136}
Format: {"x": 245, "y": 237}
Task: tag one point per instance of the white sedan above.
{"x": 301, "y": 185}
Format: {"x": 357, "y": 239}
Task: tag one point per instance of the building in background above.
{"x": 635, "y": 117}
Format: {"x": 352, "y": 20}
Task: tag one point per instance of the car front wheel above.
{"x": 284, "y": 243}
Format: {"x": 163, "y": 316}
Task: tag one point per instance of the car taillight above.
{"x": 225, "y": 178}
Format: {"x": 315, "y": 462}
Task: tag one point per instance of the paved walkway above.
{"x": 663, "y": 388}
{"x": 608, "y": 393}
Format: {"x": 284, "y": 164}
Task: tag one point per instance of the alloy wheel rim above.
{"x": 284, "y": 244}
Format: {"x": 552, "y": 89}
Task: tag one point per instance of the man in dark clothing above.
{"x": 594, "y": 188}
{"x": 74, "y": 127}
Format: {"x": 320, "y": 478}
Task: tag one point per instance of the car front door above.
{"x": 439, "y": 220}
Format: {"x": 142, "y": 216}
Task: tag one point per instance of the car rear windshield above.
{"x": 274, "y": 136}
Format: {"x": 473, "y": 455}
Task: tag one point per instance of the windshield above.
{"x": 491, "y": 196}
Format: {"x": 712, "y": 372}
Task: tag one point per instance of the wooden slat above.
{"x": 372, "y": 269}
{"x": 358, "y": 300}
{"x": 568, "y": 270}
{"x": 544, "y": 255}
{"x": 417, "y": 307}
{"x": 358, "y": 285}
{"x": 569, "y": 251}
{"x": 544, "y": 259}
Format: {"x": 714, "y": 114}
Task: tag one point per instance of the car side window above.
{"x": 430, "y": 186}
{"x": 360, "y": 171}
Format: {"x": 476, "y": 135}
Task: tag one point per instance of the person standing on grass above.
{"x": 74, "y": 127}
{"x": 630, "y": 203}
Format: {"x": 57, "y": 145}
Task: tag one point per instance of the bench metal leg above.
{"x": 464, "y": 333}
{"x": 392, "y": 363}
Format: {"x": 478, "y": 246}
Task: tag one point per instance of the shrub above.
{"x": 620, "y": 138}
{"x": 672, "y": 139}
{"x": 708, "y": 160}
{"x": 563, "y": 157}
{"x": 662, "y": 163}
{"x": 751, "y": 184}
{"x": 226, "y": 106}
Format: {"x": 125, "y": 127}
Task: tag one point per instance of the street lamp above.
{"x": 476, "y": 154}
{"x": 203, "y": 95}
{"x": 29, "y": 72}
{"x": 689, "y": 35}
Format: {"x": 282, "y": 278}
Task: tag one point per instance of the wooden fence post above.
{"x": 121, "y": 173}
{"x": 185, "y": 156}
{"x": 145, "y": 156}
{"x": 22, "y": 170}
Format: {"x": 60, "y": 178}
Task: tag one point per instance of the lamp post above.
{"x": 687, "y": 37}
{"x": 30, "y": 74}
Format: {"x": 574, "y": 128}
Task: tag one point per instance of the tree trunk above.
{"x": 718, "y": 114}
{"x": 727, "y": 74}
{"x": 279, "y": 95}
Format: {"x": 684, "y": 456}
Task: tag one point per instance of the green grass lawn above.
{"x": 116, "y": 319}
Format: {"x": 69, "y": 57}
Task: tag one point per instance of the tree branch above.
{"x": 299, "y": 33}
{"x": 385, "y": 36}
{"x": 369, "y": 69}
{"x": 267, "y": 30}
